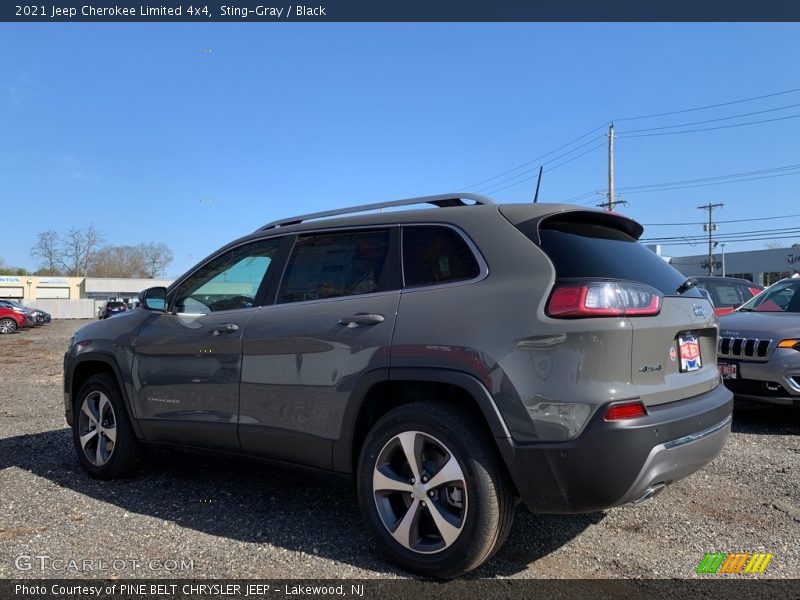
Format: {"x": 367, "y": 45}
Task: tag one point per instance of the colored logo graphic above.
{"x": 689, "y": 351}
{"x": 742, "y": 562}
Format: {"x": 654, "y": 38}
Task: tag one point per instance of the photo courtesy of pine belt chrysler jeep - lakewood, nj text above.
{"x": 453, "y": 359}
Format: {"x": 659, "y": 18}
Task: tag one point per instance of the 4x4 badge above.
{"x": 699, "y": 311}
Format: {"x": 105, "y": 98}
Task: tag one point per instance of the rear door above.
{"x": 673, "y": 353}
{"x": 330, "y": 324}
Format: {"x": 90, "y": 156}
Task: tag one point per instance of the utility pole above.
{"x": 710, "y": 227}
{"x": 611, "y": 199}
{"x": 611, "y": 166}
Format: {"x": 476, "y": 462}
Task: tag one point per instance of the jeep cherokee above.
{"x": 451, "y": 359}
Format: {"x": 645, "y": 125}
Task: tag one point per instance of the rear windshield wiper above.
{"x": 687, "y": 285}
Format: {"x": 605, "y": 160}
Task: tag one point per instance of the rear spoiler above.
{"x": 521, "y": 217}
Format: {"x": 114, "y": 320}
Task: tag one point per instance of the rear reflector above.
{"x": 630, "y": 410}
{"x": 603, "y": 299}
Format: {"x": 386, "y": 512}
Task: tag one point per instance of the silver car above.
{"x": 759, "y": 346}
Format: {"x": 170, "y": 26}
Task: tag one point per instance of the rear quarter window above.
{"x": 433, "y": 254}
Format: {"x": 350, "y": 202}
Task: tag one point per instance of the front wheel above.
{"x": 104, "y": 440}
{"x": 8, "y": 325}
{"x": 432, "y": 491}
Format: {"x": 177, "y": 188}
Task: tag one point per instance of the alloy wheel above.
{"x": 7, "y": 326}
{"x": 420, "y": 492}
{"x": 97, "y": 428}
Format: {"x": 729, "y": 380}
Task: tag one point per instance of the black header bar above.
{"x": 251, "y": 11}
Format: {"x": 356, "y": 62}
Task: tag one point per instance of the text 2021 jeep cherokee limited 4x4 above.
{"x": 452, "y": 359}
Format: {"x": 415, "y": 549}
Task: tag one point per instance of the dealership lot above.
{"x": 216, "y": 517}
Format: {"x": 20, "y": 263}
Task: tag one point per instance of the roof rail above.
{"x": 442, "y": 201}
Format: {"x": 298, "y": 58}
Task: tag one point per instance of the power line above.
{"x": 728, "y": 221}
{"x": 592, "y": 149}
{"x": 739, "y": 116}
{"x": 636, "y": 135}
{"x": 685, "y": 110}
{"x": 534, "y": 160}
{"x": 732, "y": 235}
{"x": 684, "y": 187}
{"x": 637, "y": 188}
{"x": 526, "y": 171}
{"x": 753, "y": 239}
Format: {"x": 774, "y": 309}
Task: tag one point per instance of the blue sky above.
{"x": 196, "y": 134}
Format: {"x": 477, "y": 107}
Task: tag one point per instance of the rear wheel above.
{"x": 8, "y": 325}
{"x": 432, "y": 491}
{"x": 104, "y": 440}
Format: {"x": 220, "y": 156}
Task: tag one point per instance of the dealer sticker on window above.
{"x": 689, "y": 352}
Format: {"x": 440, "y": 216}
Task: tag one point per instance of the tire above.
{"x": 112, "y": 450}
{"x": 457, "y": 527}
{"x": 8, "y": 325}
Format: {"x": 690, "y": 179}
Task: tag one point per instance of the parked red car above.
{"x": 11, "y": 320}
{"x": 728, "y": 293}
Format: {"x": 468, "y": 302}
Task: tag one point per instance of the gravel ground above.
{"x": 235, "y": 518}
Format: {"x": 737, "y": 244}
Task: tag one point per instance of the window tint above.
{"x": 590, "y": 250}
{"x": 229, "y": 281}
{"x": 335, "y": 264}
{"x": 435, "y": 254}
{"x": 782, "y": 297}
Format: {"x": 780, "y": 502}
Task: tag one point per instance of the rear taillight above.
{"x": 630, "y": 410}
{"x": 603, "y": 299}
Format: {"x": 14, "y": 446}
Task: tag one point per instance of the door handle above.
{"x": 226, "y": 328}
{"x": 361, "y": 319}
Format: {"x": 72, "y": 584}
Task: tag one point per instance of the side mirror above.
{"x": 154, "y": 298}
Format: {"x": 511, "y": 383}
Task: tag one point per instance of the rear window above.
{"x": 115, "y": 304}
{"x": 725, "y": 295}
{"x": 580, "y": 250}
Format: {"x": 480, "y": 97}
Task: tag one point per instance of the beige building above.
{"x": 31, "y": 287}
{"x": 72, "y": 297}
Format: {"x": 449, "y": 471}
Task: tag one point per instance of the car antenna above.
{"x": 538, "y": 183}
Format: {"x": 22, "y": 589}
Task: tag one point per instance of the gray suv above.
{"x": 452, "y": 359}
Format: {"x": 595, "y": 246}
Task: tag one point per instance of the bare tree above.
{"x": 47, "y": 251}
{"x": 774, "y": 244}
{"x": 157, "y": 257}
{"x": 77, "y": 249}
{"x": 118, "y": 261}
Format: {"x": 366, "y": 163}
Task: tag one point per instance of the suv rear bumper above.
{"x": 613, "y": 463}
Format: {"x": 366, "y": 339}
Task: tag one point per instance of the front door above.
{"x": 187, "y": 362}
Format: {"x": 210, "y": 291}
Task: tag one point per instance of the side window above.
{"x": 330, "y": 265}
{"x": 229, "y": 281}
{"x": 435, "y": 254}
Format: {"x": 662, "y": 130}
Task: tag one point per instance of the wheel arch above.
{"x": 11, "y": 318}
{"x": 97, "y": 363}
{"x": 384, "y": 389}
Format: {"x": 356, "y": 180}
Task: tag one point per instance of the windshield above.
{"x": 784, "y": 296}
